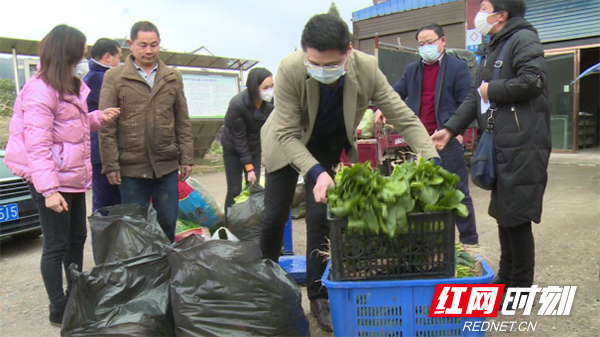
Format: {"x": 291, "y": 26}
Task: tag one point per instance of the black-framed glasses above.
{"x": 328, "y": 67}
{"x": 421, "y": 44}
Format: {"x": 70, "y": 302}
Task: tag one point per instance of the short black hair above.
{"x": 142, "y": 26}
{"x": 103, "y": 46}
{"x": 255, "y": 79}
{"x": 514, "y": 8}
{"x": 325, "y": 32}
{"x": 431, "y": 26}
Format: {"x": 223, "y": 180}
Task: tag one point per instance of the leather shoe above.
{"x": 500, "y": 280}
{"x": 319, "y": 308}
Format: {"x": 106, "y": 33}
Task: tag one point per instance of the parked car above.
{"x": 18, "y": 214}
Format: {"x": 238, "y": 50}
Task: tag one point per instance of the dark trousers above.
{"x": 279, "y": 194}
{"x": 64, "y": 237}
{"x": 103, "y": 193}
{"x": 164, "y": 192}
{"x": 517, "y": 255}
{"x": 233, "y": 172}
{"x": 453, "y": 160}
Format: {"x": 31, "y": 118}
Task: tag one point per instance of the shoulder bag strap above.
{"x": 497, "y": 66}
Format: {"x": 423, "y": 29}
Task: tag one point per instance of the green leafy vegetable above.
{"x": 380, "y": 204}
{"x": 463, "y": 262}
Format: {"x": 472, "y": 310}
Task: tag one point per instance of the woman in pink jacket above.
{"x": 49, "y": 146}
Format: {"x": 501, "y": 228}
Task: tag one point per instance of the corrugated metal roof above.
{"x": 395, "y": 6}
{"x": 558, "y": 20}
{"x": 29, "y": 47}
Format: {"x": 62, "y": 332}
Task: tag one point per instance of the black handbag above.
{"x": 483, "y": 167}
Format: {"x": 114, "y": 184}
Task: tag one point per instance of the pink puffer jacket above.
{"x": 49, "y": 143}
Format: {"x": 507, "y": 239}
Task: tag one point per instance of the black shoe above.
{"x": 319, "y": 308}
{"x": 56, "y": 315}
{"x": 500, "y": 280}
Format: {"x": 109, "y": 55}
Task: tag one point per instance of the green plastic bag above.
{"x": 367, "y": 125}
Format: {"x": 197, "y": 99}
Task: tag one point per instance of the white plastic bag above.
{"x": 224, "y": 234}
{"x": 367, "y": 125}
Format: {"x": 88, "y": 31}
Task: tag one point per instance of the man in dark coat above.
{"x": 521, "y": 131}
{"x": 434, "y": 88}
{"x": 106, "y": 53}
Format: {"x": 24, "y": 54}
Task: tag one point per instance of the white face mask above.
{"x": 481, "y": 23}
{"x": 429, "y": 52}
{"x": 81, "y": 69}
{"x": 267, "y": 95}
{"x": 115, "y": 61}
{"x": 327, "y": 74}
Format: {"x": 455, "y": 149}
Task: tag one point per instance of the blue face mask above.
{"x": 326, "y": 75}
{"x": 429, "y": 53}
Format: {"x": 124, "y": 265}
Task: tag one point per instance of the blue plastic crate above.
{"x": 395, "y": 308}
{"x": 295, "y": 265}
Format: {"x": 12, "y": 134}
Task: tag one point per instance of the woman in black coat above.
{"x": 245, "y": 116}
{"x": 521, "y": 131}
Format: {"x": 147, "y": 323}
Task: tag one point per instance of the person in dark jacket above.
{"x": 521, "y": 131}
{"x": 106, "y": 54}
{"x": 434, "y": 88}
{"x": 246, "y": 114}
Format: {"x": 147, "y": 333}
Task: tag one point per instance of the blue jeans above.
{"x": 453, "y": 160}
{"x": 164, "y": 192}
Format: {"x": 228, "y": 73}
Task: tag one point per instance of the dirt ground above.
{"x": 567, "y": 253}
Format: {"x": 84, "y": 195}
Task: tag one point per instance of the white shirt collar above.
{"x": 140, "y": 68}
{"x": 100, "y": 64}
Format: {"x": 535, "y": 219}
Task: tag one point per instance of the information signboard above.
{"x": 208, "y": 94}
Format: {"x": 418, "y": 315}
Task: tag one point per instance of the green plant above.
{"x": 464, "y": 262}
{"x": 7, "y": 97}
{"x": 380, "y": 204}
{"x": 333, "y": 9}
{"x": 216, "y": 148}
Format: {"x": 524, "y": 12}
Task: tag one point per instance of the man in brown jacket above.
{"x": 321, "y": 94}
{"x": 152, "y": 139}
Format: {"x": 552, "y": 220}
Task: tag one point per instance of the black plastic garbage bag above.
{"x": 243, "y": 219}
{"x": 224, "y": 288}
{"x": 188, "y": 242}
{"x": 122, "y": 298}
{"x": 124, "y": 231}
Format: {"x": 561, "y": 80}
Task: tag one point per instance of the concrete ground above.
{"x": 567, "y": 253}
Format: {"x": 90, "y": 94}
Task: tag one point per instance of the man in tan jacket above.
{"x": 151, "y": 141}
{"x": 321, "y": 94}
